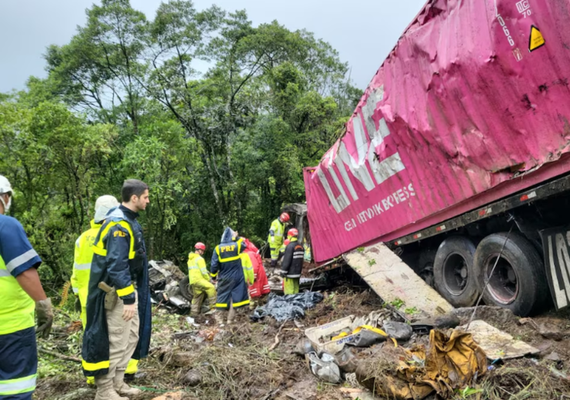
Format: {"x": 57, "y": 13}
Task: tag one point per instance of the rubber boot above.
{"x": 106, "y": 391}
{"x": 231, "y": 314}
{"x": 122, "y": 388}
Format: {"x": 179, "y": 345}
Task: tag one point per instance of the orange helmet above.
{"x": 284, "y": 217}
{"x": 293, "y": 232}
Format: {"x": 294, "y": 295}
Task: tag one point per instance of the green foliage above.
{"x": 217, "y": 116}
{"x": 397, "y": 303}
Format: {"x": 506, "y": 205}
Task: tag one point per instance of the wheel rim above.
{"x": 503, "y": 285}
{"x": 455, "y": 274}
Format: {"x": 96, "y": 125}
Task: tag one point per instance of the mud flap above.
{"x": 555, "y": 243}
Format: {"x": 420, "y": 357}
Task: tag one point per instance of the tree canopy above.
{"x": 218, "y": 116}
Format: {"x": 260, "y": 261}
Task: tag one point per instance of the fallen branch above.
{"x": 274, "y": 345}
{"x": 61, "y": 356}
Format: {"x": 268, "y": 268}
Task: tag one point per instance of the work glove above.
{"x": 44, "y": 313}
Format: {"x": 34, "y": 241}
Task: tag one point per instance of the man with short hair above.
{"x": 118, "y": 303}
{"x": 275, "y": 238}
{"x": 199, "y": 280}
{"x": 20, "y": 293}
{"x": 292, "y": 265}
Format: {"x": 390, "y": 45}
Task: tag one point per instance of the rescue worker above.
{"x": 84, "y": 255}
{"x": 199, "y": 280}
{"x": 84, "y": 252}
{"x": 118, "y": 302}
{"x": 227, "y": 263}
{"x": 260, "y": 285}
{"x": 275, "y": 238}
{"x": 20, "y": 293}
{"x": 292, "y": 264}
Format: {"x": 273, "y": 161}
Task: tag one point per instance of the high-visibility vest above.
{"x": 197, "y": 269}
{"x": 82, "y": 266}
{"x": 276, "y": 239}
{"x": 16, "y": 307}
{"x": 247, "y": 267}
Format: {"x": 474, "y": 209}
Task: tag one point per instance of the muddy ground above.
{"x": 243, "y": 361}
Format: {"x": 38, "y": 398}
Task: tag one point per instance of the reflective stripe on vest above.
{"x": 99, "y": 247}
{"x": 19, "y": 385}
{"x": 16, "y": 306}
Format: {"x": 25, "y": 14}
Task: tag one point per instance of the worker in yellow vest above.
{"x": 21, "y": 293}
{"x": 275, "y": 238}
{"x": 199, "y": 280}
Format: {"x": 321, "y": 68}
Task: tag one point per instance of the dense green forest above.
{"x": 216, "y": 115}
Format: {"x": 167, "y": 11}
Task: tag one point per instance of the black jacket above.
{"x": 293, "y": 260}
{"x": 119, "y": 260}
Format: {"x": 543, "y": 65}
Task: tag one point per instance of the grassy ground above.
{"x": 241, "y": 361}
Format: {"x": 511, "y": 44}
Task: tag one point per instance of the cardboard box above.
{"x": 334, "y": 327}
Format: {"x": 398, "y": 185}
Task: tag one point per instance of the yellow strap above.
{"x": 370, "y": 328}
{"x": 221, "y": 304}
{"x": 126, "y": 291}
{"x": 213, "y": 275}
{"x": 337, "y": 337}
{"x": 95, "y": 366}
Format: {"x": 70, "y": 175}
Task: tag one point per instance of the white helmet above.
{"x": 5, "y": 187}
{"x": 103, "y": 205}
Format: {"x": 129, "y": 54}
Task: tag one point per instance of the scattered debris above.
{"x": 499, "y": 344}
{"x": 324, "y": 367}
{"x": 283, "y": 308}
{"x": 398, "y": 330}
{"x": 192, "y": 378}
{"x": 450, "y": 363}
{"x": 170, "y": 396}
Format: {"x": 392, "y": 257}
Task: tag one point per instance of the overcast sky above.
{"x": 362, "y": 31}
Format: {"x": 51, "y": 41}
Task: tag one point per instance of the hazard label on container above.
{"x": 536, "y": 39}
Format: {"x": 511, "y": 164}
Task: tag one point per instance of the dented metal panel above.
{"x": 392, "y": 280}
{"x": 474, "y": 95}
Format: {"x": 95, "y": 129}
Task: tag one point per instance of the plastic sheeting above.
{"x": 475, "y": 93}
{"x": 292, "y": 306}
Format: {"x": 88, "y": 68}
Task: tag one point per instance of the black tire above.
{"x": 453, "y": 271}
{"x": 519, "y": 280}
{"x": 184, "y": 286}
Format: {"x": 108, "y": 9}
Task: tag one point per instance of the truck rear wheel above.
{"x": 453, "y": 271}
{"x": 518, "y": 281}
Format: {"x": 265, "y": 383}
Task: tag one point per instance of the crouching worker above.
{"x": 292, "y": 264}
{"x": 118, "y": 303}
{"x": 227, "y": 267}
{"x": 199, "y": 280}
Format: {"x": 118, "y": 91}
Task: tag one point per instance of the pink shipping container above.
{"x": 471, "y": 106}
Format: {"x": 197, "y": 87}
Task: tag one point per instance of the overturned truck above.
{"x": 457, "y": 156}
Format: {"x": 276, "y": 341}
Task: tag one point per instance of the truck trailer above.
{"x": 457, "y": 156}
